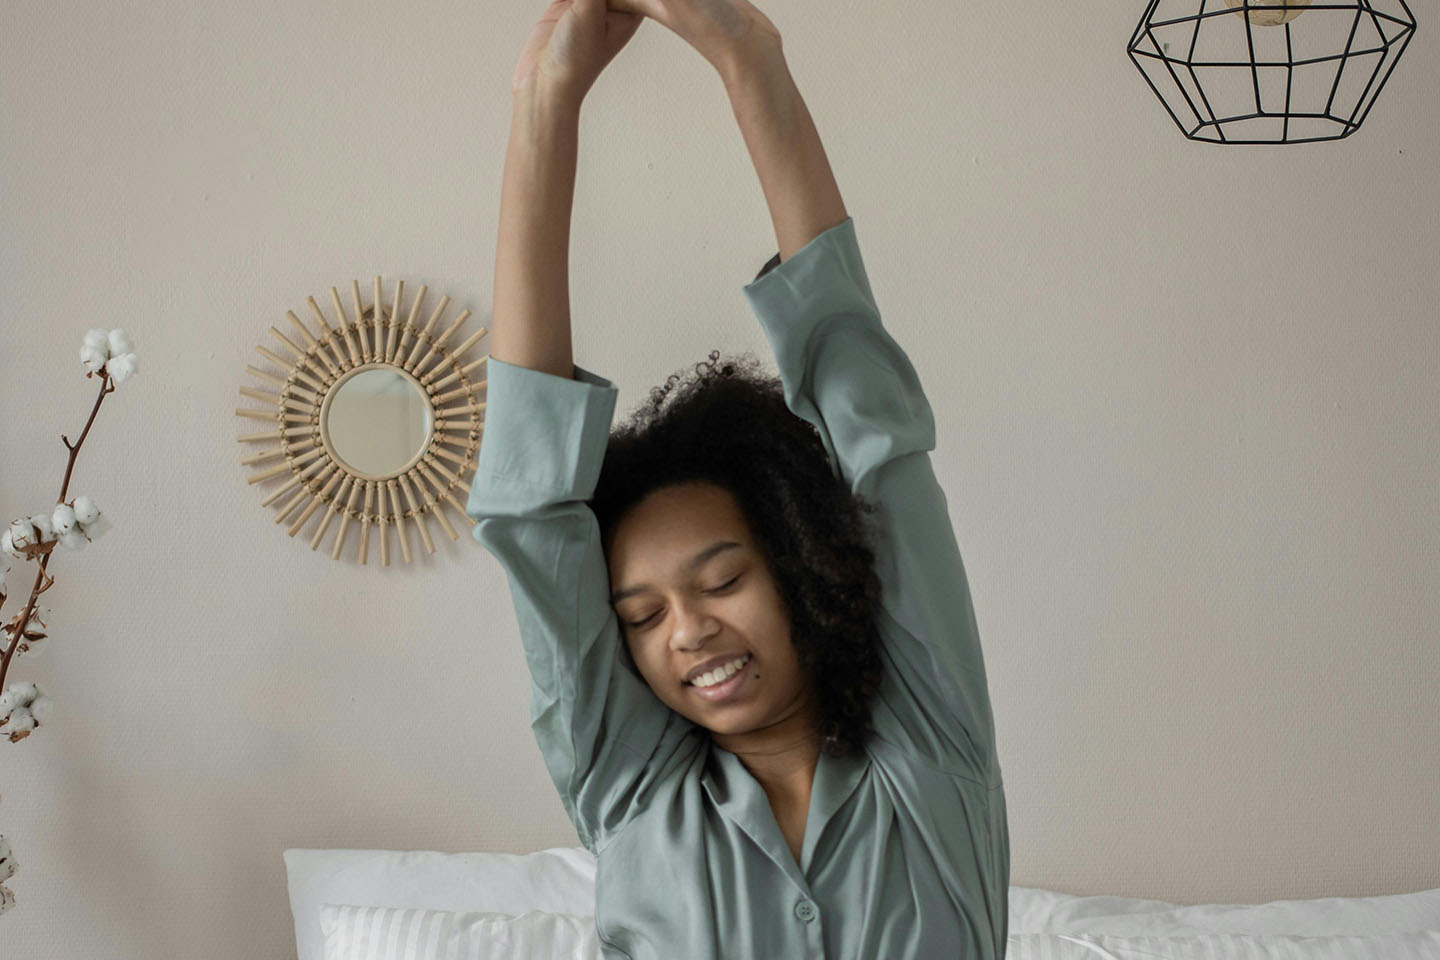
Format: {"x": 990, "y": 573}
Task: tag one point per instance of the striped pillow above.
{"x": 1419, "y": 945}
{"x": 419, "y": 933}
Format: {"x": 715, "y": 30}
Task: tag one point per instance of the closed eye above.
{"x": 724, "y": 586}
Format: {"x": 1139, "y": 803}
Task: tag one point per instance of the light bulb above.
{"x": 1270, "y": 18}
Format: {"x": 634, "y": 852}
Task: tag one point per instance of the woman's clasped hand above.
{"x": 575, "y": 40}
{"x": 571, "y": 44}
{"x": 715, "y": 28}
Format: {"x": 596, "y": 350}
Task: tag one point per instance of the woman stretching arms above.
{"x": 757, "y": 681}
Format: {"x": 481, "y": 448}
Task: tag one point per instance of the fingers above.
{"x": 643, "y": 7}
{"x": 613, "y": 12}
{"x": 622, "y": 27}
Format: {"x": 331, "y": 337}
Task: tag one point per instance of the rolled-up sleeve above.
{"x": 844, "y": 373}
{"x": 599, "y": 726}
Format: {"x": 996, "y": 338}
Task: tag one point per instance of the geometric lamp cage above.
{"x": 1269, "y": 71}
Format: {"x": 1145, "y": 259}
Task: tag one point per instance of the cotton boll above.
{"x": 93, "y": 358}
{"x": 62, "y": 520}
{"x": 42, "y": 709}
{"x": 32, "y": 647}
{"x": 42, "y": 525}
{"x": 19, "y": 725}
{"x": 97, "y": 337}
{"x": 73, "y": 539}
{"x": 85, "y": 509}
{"x": 6, "y": 562}
{"x": 96, "y": 527}
{"x": 7, "y": 545}
{"x": 121, "y": 368}
{"x": 22, "y": 534}
{"x": 119, "y": 342}
{"x": 15, "y": 713}
{"x": 7, "y": 859}
{"x": 24, "y": 691}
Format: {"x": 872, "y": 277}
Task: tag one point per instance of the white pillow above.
{"x": 1037, "y": 910}
{"x": 415, "y": 933}
{"x": 1034, "y": 910}
{"x": 1046, "y": 946}
{"x": 556, "y": 880}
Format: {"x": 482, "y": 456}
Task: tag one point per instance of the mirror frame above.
{"x": 370, "y": 338}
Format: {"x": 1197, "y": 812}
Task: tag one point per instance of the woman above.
{"x": 768, "y": 720}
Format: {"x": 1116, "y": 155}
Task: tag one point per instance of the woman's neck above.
{"x": 782, "y": 756}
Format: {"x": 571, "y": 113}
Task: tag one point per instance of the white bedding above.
{"x": 1033, "y": 910}
{"x": 1044, "y": 924}
{"x": 1222, "y": 946}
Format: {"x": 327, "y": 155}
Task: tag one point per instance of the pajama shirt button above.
{"x": 805, "y": 910}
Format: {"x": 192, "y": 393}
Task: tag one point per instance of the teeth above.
{"x": 721, "y": 673}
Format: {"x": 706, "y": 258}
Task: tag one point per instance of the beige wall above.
{"x": 1186, "y": 399}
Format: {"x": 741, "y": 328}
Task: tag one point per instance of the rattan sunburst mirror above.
{"x": 375, "y": 419}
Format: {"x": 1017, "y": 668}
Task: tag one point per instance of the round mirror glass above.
{"x": 378, "y": 421}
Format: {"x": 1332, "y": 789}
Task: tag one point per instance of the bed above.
{"x": 420, "y": 904}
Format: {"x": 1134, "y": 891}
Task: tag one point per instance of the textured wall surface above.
{"x": 1186, "y": 398}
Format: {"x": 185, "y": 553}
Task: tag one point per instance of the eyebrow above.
{"x": 697, "y": 561}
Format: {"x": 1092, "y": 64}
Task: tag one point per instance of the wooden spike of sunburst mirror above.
{"x": 375, "y": 419}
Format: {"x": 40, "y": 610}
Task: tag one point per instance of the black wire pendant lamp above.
{"x": 1236, "y": 71}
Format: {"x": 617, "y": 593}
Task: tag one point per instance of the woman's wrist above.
{"x": 536, "y": 106}
{"x": 747, "y": 67}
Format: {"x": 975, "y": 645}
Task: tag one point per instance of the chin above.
{"x": 728, "y": 729}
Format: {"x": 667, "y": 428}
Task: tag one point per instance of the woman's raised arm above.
{"x": 784, "y": 146}
{"x": 531, "y": 326}
{"x": 572, "y": 43}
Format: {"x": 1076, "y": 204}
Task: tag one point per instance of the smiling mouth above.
{"x": 744, "y": 662}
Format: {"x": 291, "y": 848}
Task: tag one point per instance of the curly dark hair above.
{"x": 728, "y": 425}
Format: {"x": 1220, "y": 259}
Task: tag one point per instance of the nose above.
{"x": 693, "y": 627}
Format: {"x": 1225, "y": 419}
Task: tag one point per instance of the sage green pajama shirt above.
{"x": 906, "y": 851}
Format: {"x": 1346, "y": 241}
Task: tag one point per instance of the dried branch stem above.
{"x": 42, "y": 580}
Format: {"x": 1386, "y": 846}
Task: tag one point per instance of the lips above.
{"x": 729, "y": 690}
{"x": 710, "y": 665}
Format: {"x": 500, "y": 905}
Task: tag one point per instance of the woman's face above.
{"x": 690, "y": 585}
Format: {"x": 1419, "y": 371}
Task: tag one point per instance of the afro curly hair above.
{"x": 728, "y": 425}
